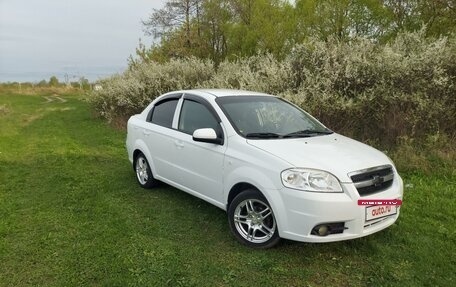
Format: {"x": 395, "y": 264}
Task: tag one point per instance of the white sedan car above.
{"x": 276, "y": 170}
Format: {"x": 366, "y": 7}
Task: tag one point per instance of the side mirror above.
{"x": 207, "y": 136}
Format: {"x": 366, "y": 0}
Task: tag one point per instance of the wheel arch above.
{"x": 244, "y": 178}
{"x": 237, "y": 197}
{"x": 237, "y": 189}
{"x": 136, "y": 152}
{"x": 141, "y": 147}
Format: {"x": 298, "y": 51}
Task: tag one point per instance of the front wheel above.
{"x": 252, "y": 220}
{"x": 143, "y": 172}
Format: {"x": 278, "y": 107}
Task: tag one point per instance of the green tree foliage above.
{"x": 342, "y": 19}
{"x": 260, "y": 25}
{"x": 219, "y": 29}
{"x": 177, "y": 25}
{"x": 42, "y": 83}
{"x": 438, "y": 16}
{"x": 53, "y": 81}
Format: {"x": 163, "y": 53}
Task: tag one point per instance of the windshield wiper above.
{"x": 262, "y": 135}
{"x": 303, "y": 133}
{"x": 307, "y": 133}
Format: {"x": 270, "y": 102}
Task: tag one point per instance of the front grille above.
{"x": 372, "y": 180}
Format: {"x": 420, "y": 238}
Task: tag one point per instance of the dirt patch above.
{"x": 40, "y": 113}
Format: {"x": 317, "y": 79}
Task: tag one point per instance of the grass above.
{"x": 72, "y": 214}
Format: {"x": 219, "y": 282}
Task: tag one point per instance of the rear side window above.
{"x": 196, "y": 116}
{"x": 163, "y": 113}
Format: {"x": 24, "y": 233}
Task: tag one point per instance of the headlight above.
{"x": 310, "y": 180}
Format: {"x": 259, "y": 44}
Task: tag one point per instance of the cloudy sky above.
{"x": 91, "y": 38}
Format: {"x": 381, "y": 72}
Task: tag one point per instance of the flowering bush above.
{"x": 406, "y": 88}
{"x": 129, "y": 93}
{"x": 370, "y": 91}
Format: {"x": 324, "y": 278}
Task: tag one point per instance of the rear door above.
{"x": 159, "y": 136}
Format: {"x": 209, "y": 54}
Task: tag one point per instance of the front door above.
{"x": 200, "y": 165}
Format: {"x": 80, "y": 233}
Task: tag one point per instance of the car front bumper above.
{"x": 302, "y": 211}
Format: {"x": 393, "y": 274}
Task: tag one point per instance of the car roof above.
{"x": 223, "y": 92}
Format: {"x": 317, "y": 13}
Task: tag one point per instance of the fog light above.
{"x": 328, "y": 228}
{"x": 320, "y": 230}
{"x": 323, "y": 230}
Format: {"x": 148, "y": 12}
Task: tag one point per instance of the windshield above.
{"x": 269, "y": 117}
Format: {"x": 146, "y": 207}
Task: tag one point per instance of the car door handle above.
{"x": 179, "y": 144}
{"x": 146, "y": 132}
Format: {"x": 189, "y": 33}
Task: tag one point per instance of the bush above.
{"x": 129, "y": 93}
{"x": 406, "y": 88}
{"x": 374, "y": 92}
{"x": 261, "y": 73}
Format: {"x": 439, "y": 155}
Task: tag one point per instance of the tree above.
{"x": 53, "y": 81}
{"x": 176, "y": 15}
{"x": 261, "y": 25}
{"x": 42, "y": 83}
{"x": 342, "y": 19}
{"x": 437, "y": 16}
{"x": 219, "y": 29}
{"x": 214, "y": 23}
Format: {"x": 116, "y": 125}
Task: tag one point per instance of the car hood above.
{"x": 334, "y": 153}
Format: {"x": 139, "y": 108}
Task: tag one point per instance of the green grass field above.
{"x": 72, "y": 214}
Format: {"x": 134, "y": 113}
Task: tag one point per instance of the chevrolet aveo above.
{"x": 276, "y": 170}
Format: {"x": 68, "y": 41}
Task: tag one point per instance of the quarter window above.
{"x": 163, "y": 113}
{"x": 196, "y": 116}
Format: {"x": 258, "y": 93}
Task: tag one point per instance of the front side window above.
{"x": 269, "y": 117}
{"x": 196, "y": 116}
{"x": 163, "y": 113}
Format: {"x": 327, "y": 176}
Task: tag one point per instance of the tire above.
{"x": 252, "y": 220}
{"x": 143, "y": 172}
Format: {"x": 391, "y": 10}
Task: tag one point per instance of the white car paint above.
{"x": 210, "y": 171}
{"x": 333, "y": 153}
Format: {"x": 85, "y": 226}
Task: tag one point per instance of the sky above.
{"x": 90, "y": 38}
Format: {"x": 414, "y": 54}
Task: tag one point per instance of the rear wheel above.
{"x": 143, "y": 172}
{"x": 252, "y": 220}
